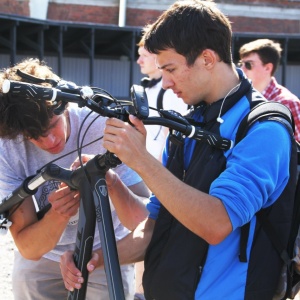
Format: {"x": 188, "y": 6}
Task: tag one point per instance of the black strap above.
{"x": 160, "y": 97}
{"x": 146, "y": 82}
{"x": 264, "y": 111}
{"x": 273, "y": 236}
{"x": 243, "y": 242}
{"x": 159, "y": 105}
{"x": 261, "y": 111}
{"x": 296, "y": 214}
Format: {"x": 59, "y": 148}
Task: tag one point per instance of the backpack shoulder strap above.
{"x": 160, "y": 97}
{"x": 263, "y": 111}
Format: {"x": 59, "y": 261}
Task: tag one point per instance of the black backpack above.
{"x": 289, "y": 282}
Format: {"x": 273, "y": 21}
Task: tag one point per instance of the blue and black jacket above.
{"x": 248, "y": 178}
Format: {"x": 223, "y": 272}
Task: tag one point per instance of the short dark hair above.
{"x": 22, "y": 116}
{"x": 269, "y": 51}
{"x": 190, "y": 27}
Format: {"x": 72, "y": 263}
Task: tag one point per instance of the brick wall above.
{"x": 140, "y": 17}
{"x": 241, "y": 24}
{"x": 276, "y": 3}
{"x": 137, "y": 17}
{"x": 83, "y": 13}
{"x": 14, "y": 7}
{"x": 102, "y": 15}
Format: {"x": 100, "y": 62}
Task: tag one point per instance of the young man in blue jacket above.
{"x": 203, "y": 195}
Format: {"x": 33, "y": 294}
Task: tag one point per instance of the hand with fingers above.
{"x": 71, "y": 274}
{"x": 110, "y": 175}
{"x": 64, "y": 201}
{"x": 127, "y": 141}
{"x": 84, "y": 159}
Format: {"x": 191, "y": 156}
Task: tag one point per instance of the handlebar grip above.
{"x": 17, "y": 196}
{"x": 210, "y": 138}
{"x": 192, "y": 132}
{"x": 37, "y": 92}
{"x": 28, "y": 90}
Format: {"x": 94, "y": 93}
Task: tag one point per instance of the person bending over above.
{"x": 32, "y": 135}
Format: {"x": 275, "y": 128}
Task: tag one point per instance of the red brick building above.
{"x": 276, "y": 16}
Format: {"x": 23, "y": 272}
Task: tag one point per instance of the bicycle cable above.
{"x": 58, "y": 158}
{"x": 79, "y": 145}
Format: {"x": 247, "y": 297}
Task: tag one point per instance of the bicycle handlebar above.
{"x": 40, "y": 93}
{"x": 192, "y": 132}
{"x": 52, "y": 171}
{"x": 19, "y": 194}
{"x": 84, "y": 96}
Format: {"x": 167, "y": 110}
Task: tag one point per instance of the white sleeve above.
{"x": 172, "y": 102}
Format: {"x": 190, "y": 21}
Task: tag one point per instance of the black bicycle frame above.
{"x": 94, "y": 208}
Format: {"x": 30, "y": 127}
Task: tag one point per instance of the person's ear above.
{"x": 209, "y": 58}
{"x": 269, "y": 67}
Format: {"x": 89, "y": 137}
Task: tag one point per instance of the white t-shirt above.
{"x": 20, "y": 158}
{"x": 156, "y": 134}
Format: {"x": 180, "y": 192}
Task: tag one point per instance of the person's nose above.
{"x": 139, "y": 60}
{"x": 48, "y": 141}
{"x": 167, "y": 83}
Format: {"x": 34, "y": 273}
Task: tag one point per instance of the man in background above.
{"x": 259, "y": 60}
